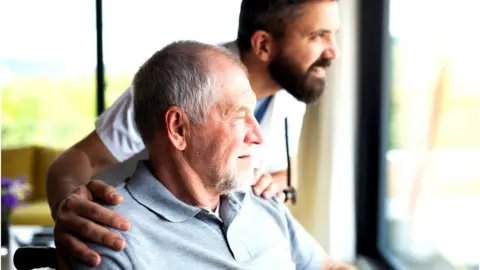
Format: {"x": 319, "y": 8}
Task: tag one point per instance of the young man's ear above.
{"x": 263, "y": 45}
{"x": 176, "y": 125}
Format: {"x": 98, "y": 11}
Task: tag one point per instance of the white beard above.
{"x": 236, "y": 179}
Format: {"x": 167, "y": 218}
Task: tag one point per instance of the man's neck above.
{"x": 184, "y": 183}
{"x": 262, "y": 84}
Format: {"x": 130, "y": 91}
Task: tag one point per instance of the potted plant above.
{"x": 14, "y": 192}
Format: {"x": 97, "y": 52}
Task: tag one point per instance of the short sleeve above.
{"x": 117, "y": 130}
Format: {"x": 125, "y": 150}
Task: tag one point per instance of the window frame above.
{"x": 100, "y": 70}
{"x": 372, "y": 132}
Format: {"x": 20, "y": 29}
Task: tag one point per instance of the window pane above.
{"x": 134, "y": 30}
{"x": 47, "y": 72}
{"x": 434, "y": 152}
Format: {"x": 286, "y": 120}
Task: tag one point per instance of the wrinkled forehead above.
{"x": 236, "y": 90}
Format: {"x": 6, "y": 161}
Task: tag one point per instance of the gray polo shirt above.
{"x": 166, "y": 233}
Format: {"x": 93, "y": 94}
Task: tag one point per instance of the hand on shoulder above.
{"x": 79, "y": 219}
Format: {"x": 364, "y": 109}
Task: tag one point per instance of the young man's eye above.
{"x": 318, "y": 37}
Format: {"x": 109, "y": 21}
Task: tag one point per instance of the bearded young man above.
{"x": 286, "y": 47}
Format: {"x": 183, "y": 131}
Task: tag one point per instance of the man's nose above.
{"x": 254, "y": 134}
{"x": 332, "y": 51}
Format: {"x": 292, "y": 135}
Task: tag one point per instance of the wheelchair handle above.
{"x": 27, "y": 258}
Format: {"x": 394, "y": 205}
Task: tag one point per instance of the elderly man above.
{"x": 191, "y": 203}
{"x": 286, "y": 45}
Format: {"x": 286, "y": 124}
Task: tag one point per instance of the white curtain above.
{"x": 325, "y": 167}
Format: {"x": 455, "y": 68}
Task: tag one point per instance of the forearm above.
{"x": 70, "y": 170}
{"x": 75, "y": 167}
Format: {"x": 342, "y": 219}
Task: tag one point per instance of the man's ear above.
{"x": 176, "y": 124}
{"x": 263, "y": 45}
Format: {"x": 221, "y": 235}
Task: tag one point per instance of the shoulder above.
{"x": 129, "y": 208}
{"x": 305, "y": 251}
{"x": 126, "y": 258}
{"x": 259, "y": 201}
{"x": 111, "y": 259}
{"x": 271, "y": 207}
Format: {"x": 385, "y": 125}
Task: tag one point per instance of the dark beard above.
{"x": 299, "y": 84}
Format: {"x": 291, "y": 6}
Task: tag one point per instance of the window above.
{"x": 134, "y": 30}
{"x": 47, "y": 71}
{"x": 48, "y": 68}
{"x": 418, "y": 179}
{"x": 433, "y": 172}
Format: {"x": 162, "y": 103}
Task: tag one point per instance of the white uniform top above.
{"x": 116, "y": 128}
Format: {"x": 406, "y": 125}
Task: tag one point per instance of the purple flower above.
{"x": 13, "y": 192}
{"x": 6, "y": 183}
{"x": 10, "y": 201}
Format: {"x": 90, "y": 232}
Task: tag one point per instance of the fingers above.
{"x": 262, "y": 184}
{"x": 95, "y": 212}
{"x": 68, "y": 243}
{"x": 271, "y": 191}
{"x": 266, "y": 187}
{"x": 80, "y": 217}
{"x": 90, "y": 230}
{"x": 105, "y": 192}
{"x": 80, "y": 191}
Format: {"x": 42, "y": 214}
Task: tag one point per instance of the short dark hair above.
{"x": 267, "y": 15}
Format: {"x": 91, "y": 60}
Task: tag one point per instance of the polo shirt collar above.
{"x": 151, "y": 193}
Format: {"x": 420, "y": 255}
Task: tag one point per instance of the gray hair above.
{"x": 178, "y": 75}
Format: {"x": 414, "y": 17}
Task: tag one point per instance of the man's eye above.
{"x": 318, "y": 37}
